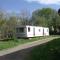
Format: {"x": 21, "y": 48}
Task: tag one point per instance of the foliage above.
{"x": 46, "y": 17}
{"x": 8, "y": 23}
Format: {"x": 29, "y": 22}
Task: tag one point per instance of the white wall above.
{"x": 37, "y": 32}
{"x": 31, "y": 32}
{"x": 46, "y": 31}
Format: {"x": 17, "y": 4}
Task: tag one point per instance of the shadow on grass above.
{"x": 47, "y": 51}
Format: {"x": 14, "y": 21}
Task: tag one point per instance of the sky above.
{"x": 28, "y": 5}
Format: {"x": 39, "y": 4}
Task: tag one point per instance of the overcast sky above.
{"x": 30, "y": 5}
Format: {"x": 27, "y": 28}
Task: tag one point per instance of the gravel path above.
{"x": 25, "y": 46}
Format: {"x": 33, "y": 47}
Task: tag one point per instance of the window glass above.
{"x": 28, "y": 29}
{"x": 20, "y": 29}
{"x": 39, "y": 30}
{"x": 17, "y": 30}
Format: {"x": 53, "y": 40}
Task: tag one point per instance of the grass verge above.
{"x": 13, "y": 43}
{"x": 47, "y": 51}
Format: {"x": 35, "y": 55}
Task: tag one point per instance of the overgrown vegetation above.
{"x": 12, "y": 43}
{"x": 47, "y": 51}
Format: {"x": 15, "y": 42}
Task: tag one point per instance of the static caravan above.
{"x": 38, "y": 31}
{"x": 46, "y": 31}
{"x": 31, "y": 31}
{"x": 24, "y": 31}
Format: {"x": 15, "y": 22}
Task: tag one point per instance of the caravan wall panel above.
{"x": 38, "y": 31}
{"x": 30, "y": 32}
{"x": 46, "y": 31}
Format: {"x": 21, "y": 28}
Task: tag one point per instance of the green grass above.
{"x": 47, "y": 51}
{"x": 13, "y": 43}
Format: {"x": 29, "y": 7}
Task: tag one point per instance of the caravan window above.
{"x": 28, "y": 29}
{"x": 39, "y": 30}
{"x": 21, "y": 29}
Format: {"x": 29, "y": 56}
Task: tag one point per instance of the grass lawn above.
{"x": 13, "y": 43}
{"x": 47, "y": 51}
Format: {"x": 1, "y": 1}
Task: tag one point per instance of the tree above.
{"x": 24, "y": 17}
{"x": 46, "y": 17}
{"x": 11, "y": 26}
{"x": 7, "y": 25}
{"x": 2, "y": 23}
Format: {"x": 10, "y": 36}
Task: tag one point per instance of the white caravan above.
{"x": 31, "y": 31}
{"x": 25, "y": 31}
{"x": 46, "y": 31}
{"x": 38, "y": 31}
